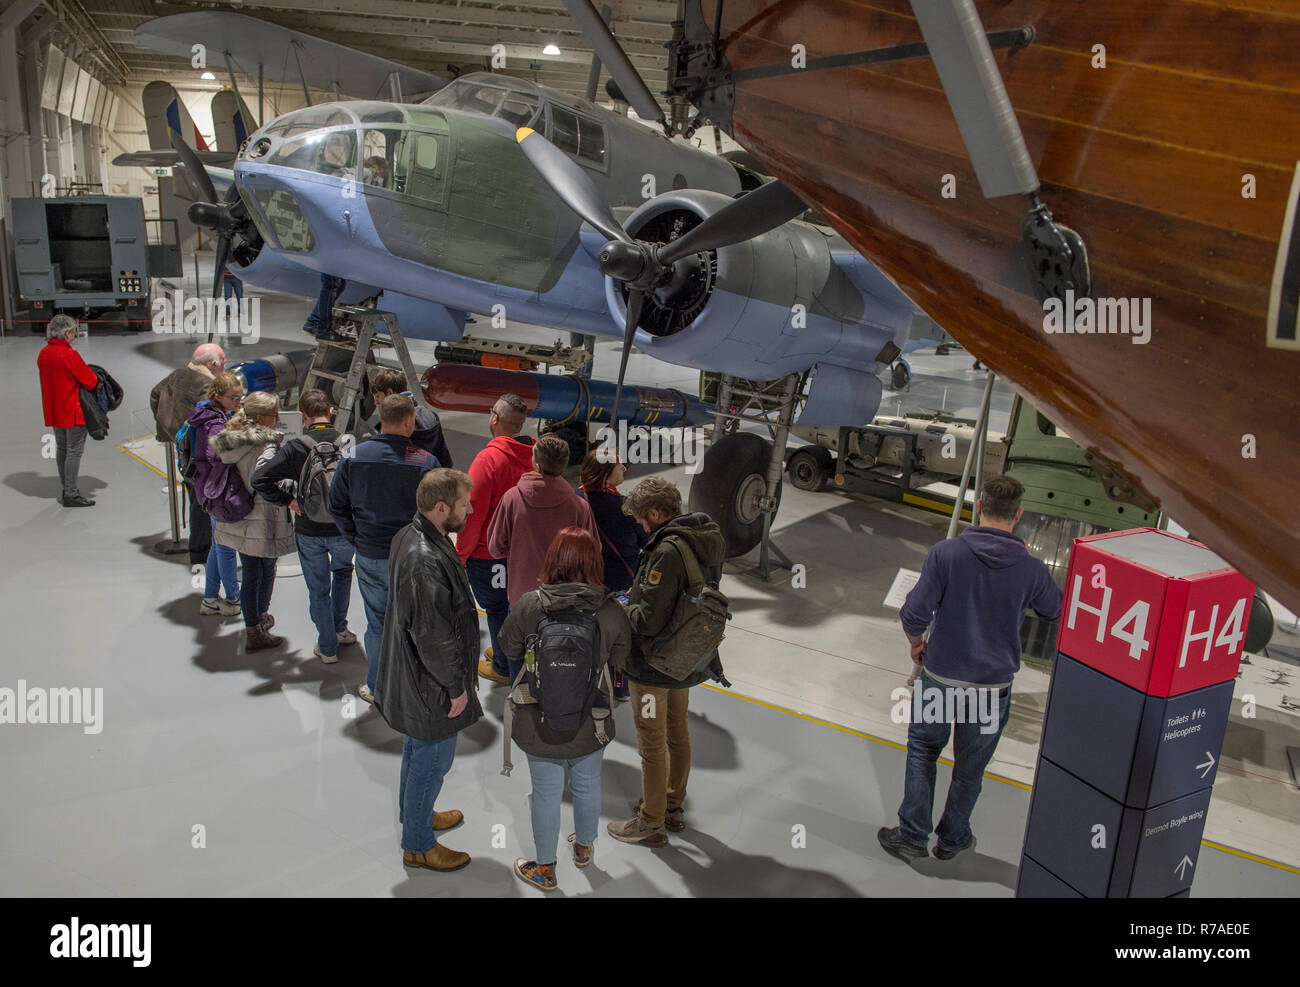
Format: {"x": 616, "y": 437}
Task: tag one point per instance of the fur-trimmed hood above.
{"x": 231, "y": 444}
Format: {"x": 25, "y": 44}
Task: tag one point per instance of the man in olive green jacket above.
{"x": 663, "y": 737}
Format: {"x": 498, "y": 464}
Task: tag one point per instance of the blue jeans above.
{"x": 548, "y": 790}
{"x": 372, "y": 578}
{"x": 327, "y": 571}
{"x": 425, "y": 764}
{"x": 495, "y": 603}
{"x": 232, "y": 286}
{"x": 322, "y": 316}
{"x": 259, "y": 581}
{"x": 972, "y": 751}
{"x": 220, "y": 569}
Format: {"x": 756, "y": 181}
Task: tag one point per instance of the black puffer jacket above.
{"x": 431, "y": 637}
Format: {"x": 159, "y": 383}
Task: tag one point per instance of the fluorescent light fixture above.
{"x": 551, "y": 49}
{"x": 208, "y": 75}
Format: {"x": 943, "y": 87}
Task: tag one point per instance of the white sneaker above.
{"x": 364, "y": 692}
{"x": 347, "y": 637}
{"x": 219, "y": 608}
{"x": 327, "y": 659}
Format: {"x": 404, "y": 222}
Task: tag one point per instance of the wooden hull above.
{"x": 1145, "y": 158}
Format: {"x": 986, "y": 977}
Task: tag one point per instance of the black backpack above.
{"x": 549, "y": 712}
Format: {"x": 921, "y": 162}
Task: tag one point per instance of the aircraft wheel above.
{"x": 729, "y": 485}
{"x": 810, "y": 468}
{"x": 901, "y": 376}
{"x": 1259, "y": 628}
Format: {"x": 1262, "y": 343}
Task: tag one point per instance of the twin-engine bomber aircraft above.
{"x": 476, "y": 198}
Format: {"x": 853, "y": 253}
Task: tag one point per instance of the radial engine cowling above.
{"x": 772, "y": 305}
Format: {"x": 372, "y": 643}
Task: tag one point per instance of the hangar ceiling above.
{"x": 438, "y": 37}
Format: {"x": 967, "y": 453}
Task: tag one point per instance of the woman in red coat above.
{"x": 63, "y": 374}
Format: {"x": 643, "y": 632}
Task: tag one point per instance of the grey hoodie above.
{"x": 266, "y": 532}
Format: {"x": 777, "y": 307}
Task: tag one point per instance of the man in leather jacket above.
{"x": 427, "y": 683}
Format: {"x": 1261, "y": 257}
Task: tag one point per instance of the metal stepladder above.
{"x": 358, "y": 327}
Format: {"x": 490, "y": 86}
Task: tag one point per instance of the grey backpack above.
{"x": 315, "y": 479}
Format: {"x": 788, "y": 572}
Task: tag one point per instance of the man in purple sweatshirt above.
{"x": 973, "y": 594}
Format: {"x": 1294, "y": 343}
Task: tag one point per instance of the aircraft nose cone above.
{"x": 205, "y": 214}
{"x": 622, "y": 261}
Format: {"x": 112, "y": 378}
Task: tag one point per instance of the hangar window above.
{"x": 578, "y": 135}
{"x": 326, "y": 154}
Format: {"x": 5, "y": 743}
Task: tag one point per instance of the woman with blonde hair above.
{"x": 264, "y": 532}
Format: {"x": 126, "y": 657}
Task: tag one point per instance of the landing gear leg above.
{"x": 739, "y": 485}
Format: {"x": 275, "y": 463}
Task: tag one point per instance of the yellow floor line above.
{"x": 142, "y": 462}
{"x": 987, "y": 774}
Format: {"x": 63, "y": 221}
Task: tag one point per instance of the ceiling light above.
{"x": 551, "y": 49}
{"x": 207, "y": 75}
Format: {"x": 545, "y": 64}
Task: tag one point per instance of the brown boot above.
{"x": 258, "y": 637}
{"x": 448, "y": 819}
{"x": 439, "y": 858}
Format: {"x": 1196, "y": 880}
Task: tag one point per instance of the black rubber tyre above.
{"x": 810, "y": 468}
{"x": 1259, "y": 628}
{"x": 731, "y": 475}
{"x": 901, "y": 376}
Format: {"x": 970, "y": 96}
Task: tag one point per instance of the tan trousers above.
{"x": 663, "y": 739}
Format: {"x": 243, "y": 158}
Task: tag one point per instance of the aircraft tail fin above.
{"x": 165, "y": 111}
{"x": 232, "y": 120}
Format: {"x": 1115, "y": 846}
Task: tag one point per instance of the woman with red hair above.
{"x": 569, "y": 616}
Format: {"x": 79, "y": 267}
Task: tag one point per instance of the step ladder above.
{"x": 358, "y": 326}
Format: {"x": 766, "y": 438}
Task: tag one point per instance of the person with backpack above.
{"x": 256, "y": 528}
{"x": 427, "y": 686}
{"x": 565, "y": 634}
{"x": 202, "y": 471}
{"x": 677, "y": 618}
{"x": 621, "y": 537}
{"x": 63, "y": 375}
{"x": 298, "y": 477}
{"x": 171, "y": 401}
{"x": 541, "y": 505}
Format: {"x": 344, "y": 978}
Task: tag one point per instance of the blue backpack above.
{"x": 185, "y": 449}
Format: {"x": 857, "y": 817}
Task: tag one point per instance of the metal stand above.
{"x": 974, "y": 454}
{"x": 361, "y": 321}
{"x": 176, "y": 545}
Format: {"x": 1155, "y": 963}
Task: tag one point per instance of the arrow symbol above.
{"x": 1183, "y": 864}
{"x": 1207, "y": 765}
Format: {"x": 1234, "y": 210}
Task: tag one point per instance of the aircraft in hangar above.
{"x": 499, "y": 192}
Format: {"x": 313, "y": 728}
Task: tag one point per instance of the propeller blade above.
{"x": 749, "y": 216}
{"x": 197, "y": 174}
{"x": 635, "y": 300}
{"x": 218, "y": 274}
{"x": 571, "y": 183}
{"x": 594, "y": 76}
{"x": 614, "y": 58}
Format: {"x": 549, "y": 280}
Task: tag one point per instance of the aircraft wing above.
{"x": 250, "y": 43}
{"x": 222, "y": 160}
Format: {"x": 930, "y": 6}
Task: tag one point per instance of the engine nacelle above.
{"x": 770, "y": 306}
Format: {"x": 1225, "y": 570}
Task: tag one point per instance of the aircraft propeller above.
{"x": 226, "y": 219}
{"x": 642, "y": 266}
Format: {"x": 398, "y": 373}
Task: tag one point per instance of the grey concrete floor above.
{"x": 220, "y": 773}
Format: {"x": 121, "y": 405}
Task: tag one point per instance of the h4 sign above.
{"x": 1136, "y": 612}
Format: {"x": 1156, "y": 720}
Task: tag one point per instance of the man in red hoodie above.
{"x": 529, "y": 517}
{"x": 63, "y": 374}
{"x": 496, "y": 469}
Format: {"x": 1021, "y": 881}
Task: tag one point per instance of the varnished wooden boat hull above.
{"x": 1146, "y": 158}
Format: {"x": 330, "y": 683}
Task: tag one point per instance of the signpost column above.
{"x": 1150, "y": 640}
